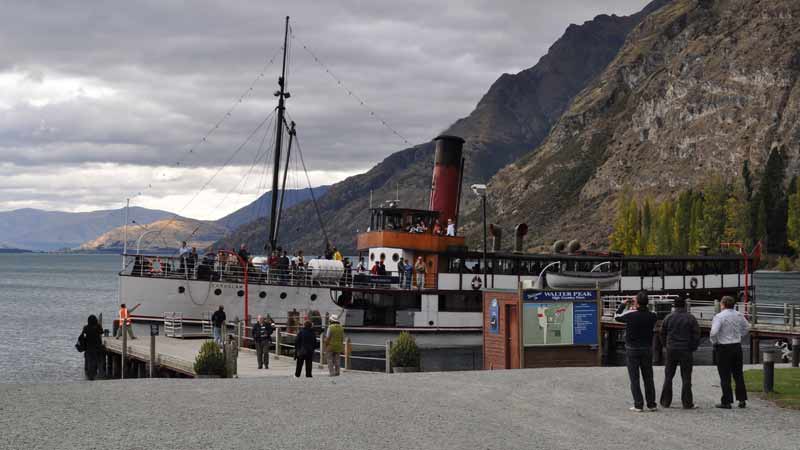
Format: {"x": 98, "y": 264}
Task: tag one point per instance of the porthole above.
{"x": 283, "y": 295}
{"x": 240, "y": 293}
{"x": 313, "y": 297}
{"x": 218, "y": 291}
{"x": 372, "y": 256}
{"x": 395, "y": 257}
{"x": 181, "y": 289}
{"x": 430, "y": 322}
{"x": 383, "y": 256}
{"x": 262, "y": 294}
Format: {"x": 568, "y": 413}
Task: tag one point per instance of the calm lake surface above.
{"x": 45, "y": 299}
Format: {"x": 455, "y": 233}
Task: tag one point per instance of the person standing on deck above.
{"x": 727, "y": 329}
{"x": 334, "y": 345}
{"x": 304, "y": 346}
{"x": 217, "y": 320}
{"x": 337, "y": 255}
{"x": 682, "y": 334}
{"x": 419, "y": 268}
{"x": 262, "y": 335}
{"x": 451, "y": 228}
{"x": 125, "y": 318}
{"x": 408, "y": 268}
{"x": 401, "y": 272}
{"x": 91, "y": 335}
{"x": 639, "y": 323}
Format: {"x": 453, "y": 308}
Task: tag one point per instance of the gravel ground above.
{"x": 521, "y": 409}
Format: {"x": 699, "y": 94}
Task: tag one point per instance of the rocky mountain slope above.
{"x": 513, "y": 118}
{"x": 170, "y": 232}
{"x": 698, "y": 87}
{"x": 36, "y": 229}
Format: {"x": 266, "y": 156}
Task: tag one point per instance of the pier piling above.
{"x": 795, "y": 351}
{"x": 769, "y": 370}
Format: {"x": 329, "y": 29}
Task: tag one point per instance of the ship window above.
{"x": 283, "y": 295}
{"x": 372, "y": 256}
{"x": 218, "y": 291}
{"x": 383, "y": 256}
{"x": 395, "y": 257}
{"x": 240, "y": 293}
{"x": 460, "y": 302}
{"x": 262, "y": 294}
{"x": 313, "y": 297}
{"x": 181, "y": 289}
{"x": 674, "y": 268}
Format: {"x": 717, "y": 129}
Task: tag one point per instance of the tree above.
{"x": 793, "y": 220}
{"x": 664, "y": 228}
{"x": 624, "y": 236}
{"x": 773, "y": 197}
{"x": 712, "y": 226}
{"x": 738, "y": 220}
{"x": 646, "y": 241}
{"x": 695, "y": 224}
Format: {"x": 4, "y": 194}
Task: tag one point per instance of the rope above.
{"x": 360, "y": 100}
{"x": 311, "y": 190}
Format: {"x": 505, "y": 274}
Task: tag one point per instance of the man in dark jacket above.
{"x": 639, "y": 323}
{"x": 93, "y": 346}
{"x": 262, "y": 335}
{"x": 682, "y": 334}
{"x": 217, "y": 320}
{"x": 304, "y": 346}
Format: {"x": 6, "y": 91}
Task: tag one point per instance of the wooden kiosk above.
{"x": 541, "y": 328}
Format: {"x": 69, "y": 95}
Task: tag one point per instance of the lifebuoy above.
{"x": 476, "y": 282}
{"x": 693, "y": 283}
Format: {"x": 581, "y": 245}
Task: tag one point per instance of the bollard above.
{"x": 348, "y": 349}
{"x": 769, "y": 370}
{"x": 277, "y": 343}
{"x": 152, "y": 355}
{"x": 795, "y": 351}
{"x": 389, "y": 356}
{"x": 124, "y": 364}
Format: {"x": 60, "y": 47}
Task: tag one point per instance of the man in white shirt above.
{"x": 727, "y": 330}
{"x": 451, "y": 228}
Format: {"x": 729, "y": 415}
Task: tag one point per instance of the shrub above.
{"x": 405, "y": 352}
{"x": 784, "y": 264}
{"x": 209, "y": 360}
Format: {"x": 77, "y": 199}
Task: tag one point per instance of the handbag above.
{"x": 80, "y": 346}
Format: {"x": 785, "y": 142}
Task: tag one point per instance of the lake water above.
{"x": 45, "y": 299}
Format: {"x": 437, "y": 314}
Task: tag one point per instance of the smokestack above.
{"x": 497, "y": 237}
{"x": 519, "y": 236}
{"x": 446, "y": 182}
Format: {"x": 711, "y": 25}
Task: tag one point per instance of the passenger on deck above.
{"x": 408, "y": 269}
{"x": 191, "y": 261}
{"x": 348, "y": 272}
{"x": 401, "y": 272}
{"x": 243, "y": 253}
{"x": 336, "y": 254}
{"x": 451, "y": 227}
{"x": 283, "y": 267}
{"x": 183, "y": 250}
{"x": 437, "y": 228}
{"x": 361, "y": 268}
{"x": 381, "y": 268}
{"x": 419, "y": 268}
{"x": 375, "y": 268}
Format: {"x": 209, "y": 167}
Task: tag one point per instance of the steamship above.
{"x": 448, "y": 299}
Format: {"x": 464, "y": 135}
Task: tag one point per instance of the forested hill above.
{"x": 700, "y": 88}
{"x": 511, "y": 120}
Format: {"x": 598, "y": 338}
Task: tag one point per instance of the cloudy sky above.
{"x": 100, "y": 101}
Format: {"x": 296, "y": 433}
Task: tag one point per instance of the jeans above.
{"x": 641, "y": 360}
{"x": 729, "y": 364}
{"x": 217, "y": 334}
{"x": 420, "y": 280}
{"x": 262, "y": 353}
{"x": 334, "y": 363}
{"x": 675, "y": 358}
{"x": 407, "y": 281}
{"x": 307, "y": 360}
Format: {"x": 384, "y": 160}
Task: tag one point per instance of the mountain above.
{"x": 699, "y": 87}
{"x": 511, "y": 119}
{"x": 170, "y": 232}
{"x": 260, "y": 208}
{"x": 36, "y": 229}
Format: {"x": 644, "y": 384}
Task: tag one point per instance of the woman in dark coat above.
{"x": 92, "y": 334}
{"x": 304, "y": 346}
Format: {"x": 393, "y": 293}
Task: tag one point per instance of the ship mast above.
{"x": 282, "y": 96}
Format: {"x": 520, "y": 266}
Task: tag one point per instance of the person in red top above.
{"x": 437, "y": 228}
{"x": 375, "y": 268}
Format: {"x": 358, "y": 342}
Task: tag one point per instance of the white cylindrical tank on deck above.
{"x": 323, "y": 270}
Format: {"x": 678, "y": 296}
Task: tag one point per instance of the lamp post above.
{"x": 480, "y": 191}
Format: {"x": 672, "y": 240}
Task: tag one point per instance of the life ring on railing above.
{"x": 476, "y": 282}
{"x": 693, "y": 283}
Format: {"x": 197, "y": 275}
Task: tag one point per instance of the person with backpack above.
{"x": 682, "y": 334}
{"x": 90, "y": 342}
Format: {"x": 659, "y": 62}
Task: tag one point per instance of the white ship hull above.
{"x": 160, "y": 295}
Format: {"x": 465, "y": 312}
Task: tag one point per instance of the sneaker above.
{"x": 635, "y": 409}
{"x": 723, "y": 405}
{"x": 652, "y": 409}
{"x": 742, "y": 404}
{"x": 691, "y": 407}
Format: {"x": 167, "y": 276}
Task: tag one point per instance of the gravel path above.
{"x": 521, "y": 409}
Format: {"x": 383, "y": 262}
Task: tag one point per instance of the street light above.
{"x": 480, "y": 191}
